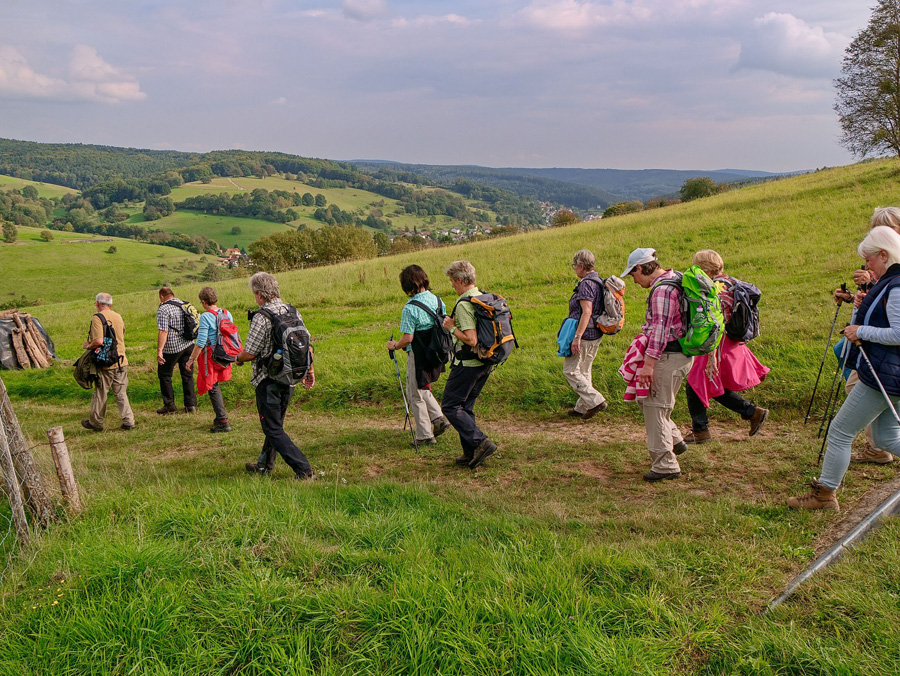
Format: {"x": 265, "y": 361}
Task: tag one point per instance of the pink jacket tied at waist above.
{"x": 631, "y": 364}
{"x": 739, "y": 370}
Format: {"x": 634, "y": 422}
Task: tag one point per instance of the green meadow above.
{"x": 554, "y": 557}
{"x": 215, "y": 227}
{"x": 47, "y": 190}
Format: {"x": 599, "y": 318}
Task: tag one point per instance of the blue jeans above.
{"x": 862, "y": 407}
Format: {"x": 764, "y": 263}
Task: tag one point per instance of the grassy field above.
{"x": 216, "y": 228}
{"x": 553, "y": 558}
{"x": 44, "y": 189}
{"x": 59, "y": 271}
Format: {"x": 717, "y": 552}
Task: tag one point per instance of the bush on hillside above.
{"x": 10, "y": 232}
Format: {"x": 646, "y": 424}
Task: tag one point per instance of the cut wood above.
{"x": 38, "y": 339}
{"x": 6, "y": 314}
{"x": 34, "y": 352}
{"x": 19, "y": 348}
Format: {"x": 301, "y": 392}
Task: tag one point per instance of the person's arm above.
{"x": 95, "y": 335}
{"x": 586, "y": 309}
{"x": 874, "y": 334}
{"x": 401, "y": 344}
{"x": 468, "y": 337}
{"x": 202, "y": 339}
{"x": 162, "y": 324}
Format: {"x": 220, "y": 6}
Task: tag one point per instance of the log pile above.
{"x": 28, "y": 344}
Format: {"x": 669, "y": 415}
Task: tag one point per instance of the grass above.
{"x": 216, "y": 228}
{"x": 552, "y": 558}
{"x": 44, "y": 189}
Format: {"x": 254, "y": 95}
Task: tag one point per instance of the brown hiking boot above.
{"x": 757, "y": 419}
{"x": 821, "y": 497}
{"x": 873, "y": 455}
{"x": 697, "y": 437}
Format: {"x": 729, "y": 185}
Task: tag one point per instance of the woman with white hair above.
{"x": 876, "y": 328}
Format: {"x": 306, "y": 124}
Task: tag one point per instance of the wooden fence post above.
{"x": 37, "y": 499}
{"x": 64, "y": 468}
{"x": 12, "y": 490}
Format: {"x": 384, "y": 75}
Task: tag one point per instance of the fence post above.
{"x": 64, "y": 468}
{"x": 12, "y": 489}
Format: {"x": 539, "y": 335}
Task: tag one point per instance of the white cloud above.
{"x": 784, "y": 44}
{"x": 90, "y": 78}
{"x": 280, "y": 101}
{"x": 365, "y": 10}
{"x": 424, "y": 21}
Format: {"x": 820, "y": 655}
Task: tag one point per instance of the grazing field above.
{"x": 64, "y": 270}
{"x": 215, "y": 227}
{"x": 553, "y": 558}
{"x": 44, "y": 189}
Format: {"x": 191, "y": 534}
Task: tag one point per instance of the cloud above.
{"x": 782, "y": 43}
{"x": 425, "y": 21}
{"x": 90, "y": 78}
{"x": 280, "y": 101}
{"x": 365, "y": 10}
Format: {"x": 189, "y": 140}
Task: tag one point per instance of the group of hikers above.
{"x": 696, "y": 328}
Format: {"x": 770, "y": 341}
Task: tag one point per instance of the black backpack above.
{"x": 292, "y": 356}
{"x": 744, "y": 323}
{"x": 191, "y": 318}
{"x": 493, "y": 327}
{"x": 108, "y": 353}
{"x": 438, "y": 344}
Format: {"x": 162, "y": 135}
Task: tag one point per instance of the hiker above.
{"x": 209, "y": 372}
{"x": 112, "y": 373}
{"x": 587, "y": 298}
{"x": 722, "y": 374}
{"x": 272, "y": 396}
{"x": 173, "y": 348}
{"x": 416, "y": 325}
{"x": 875, "y": 328}
{"x": 664, "y": 364}
{"x": 467, "y": 376}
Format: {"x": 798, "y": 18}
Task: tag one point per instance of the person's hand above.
{"x": 309, "y": 380}
{"x": 861, "y": 277}
{"x": 841, "y": 296}
{"x": 449, "y": 323}
{"x": 712, "y": 367}
{"x": 391, "y": 345}
{"x": 190, "y": 365}
{"x": 576, "y": 345}
{"x": 858, "y": 298}
{"x": 85, "y": 344}
{"x": 850, "y": 333}
{"x": 159, "y": 358}
{"x": 645, "y": 375}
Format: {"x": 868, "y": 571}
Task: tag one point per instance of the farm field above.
{"x": 57, "y": 271}
{"x": 215, "y": 227}
{"x": 44, "y": 189}
{"x": 553, "y": 558}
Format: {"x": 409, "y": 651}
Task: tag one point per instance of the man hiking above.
{"x": 173, "y": 348}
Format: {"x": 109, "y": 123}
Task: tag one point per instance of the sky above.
{"x": 623, "y": 84}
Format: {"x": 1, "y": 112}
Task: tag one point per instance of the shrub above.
{"x": 46, "y": 235}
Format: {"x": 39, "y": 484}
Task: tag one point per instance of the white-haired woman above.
{"x": 876, "y": 329}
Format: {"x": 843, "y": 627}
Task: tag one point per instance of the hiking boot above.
{"x": 697, "y": 437}
{"x": 656, "y": 476}
{"x": 591, "y": 412}
{"x": 88, "y": 425}
{"x": 128, "y": 428}
{"x": 254, "y": 468}
{"x": 757, "y": 419}
{"x": 220, "y": 426}
{"x": 821, "y": 497}
{"x": 312, "y": 476}
{"x": 873, "y": 455}
{"x": 463, "y": 460}
{"x": 574, "y": 414}
{"x": 481, "y": 453}
{"x": 190, "y": 409}
{"x": 439, "y": 426}
{"x": 430, "y": 441}
{"x": 680, "y": 447}
{"x": 167, "y": 410}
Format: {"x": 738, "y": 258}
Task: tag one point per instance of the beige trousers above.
{"x": 116, "y": 380}
{"x": 671, "y": 369}
{"x": 577, "y": 370}
{"x": 423, "y": 407}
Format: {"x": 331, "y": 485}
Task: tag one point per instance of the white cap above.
{"x": 639, "y": 257}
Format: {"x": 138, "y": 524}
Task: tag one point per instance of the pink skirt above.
{"x": 739, "y": 370}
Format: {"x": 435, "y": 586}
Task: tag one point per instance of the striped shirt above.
{"x": 259, "y": 339}
{"x": 663, "y": 322}
{"x": 170, "y": 318}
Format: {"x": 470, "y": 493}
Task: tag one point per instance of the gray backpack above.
{"x": 293, "y": 356}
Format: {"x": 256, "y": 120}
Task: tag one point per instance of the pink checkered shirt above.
{"x": 663, "y": 322}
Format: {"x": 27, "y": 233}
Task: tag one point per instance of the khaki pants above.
{"x": 423, "y": 407}
{"x": 848, "y": 387}
{"x": 115, "y": 379}
{"x": 577, "y": 370}
{"x": 671, "y": 369}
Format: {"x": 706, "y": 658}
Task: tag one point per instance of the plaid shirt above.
{"x": 663, "y": 322}
{"x": 171, "y": 318}
{"x": 259, "y": 339}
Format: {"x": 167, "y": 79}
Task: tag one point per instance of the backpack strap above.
{"x": 428, "y": 309}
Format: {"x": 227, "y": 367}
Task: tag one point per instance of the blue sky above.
{"x": 627, "y": 84}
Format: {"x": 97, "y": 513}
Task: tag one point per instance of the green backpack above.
{"x": 704, "y": 320}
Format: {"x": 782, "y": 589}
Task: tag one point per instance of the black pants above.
{"x": 730, "y": 400}
{"x": 272, "y": 400}
{"x": 164, "y": 371}
{"x": 462, "y": 389}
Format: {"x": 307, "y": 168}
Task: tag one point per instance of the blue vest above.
{"x": 885, "y": 358}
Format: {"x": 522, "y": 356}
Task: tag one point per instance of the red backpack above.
{"x": 228, "y": 345}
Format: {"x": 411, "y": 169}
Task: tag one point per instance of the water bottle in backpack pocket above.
{"x": 292, "y": 357}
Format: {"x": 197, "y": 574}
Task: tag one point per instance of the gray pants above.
{"x": 218, "y": 403}
{"x": 116, "y": 380}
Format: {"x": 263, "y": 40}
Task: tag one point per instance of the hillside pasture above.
{"x": 47, "y": 190}
{"x": 215, "y": 227}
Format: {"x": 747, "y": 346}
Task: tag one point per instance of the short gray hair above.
{"x": 104, "y": 299}
{"x": 265, "y": 285}
{"x": 889, "y": 216}
{"x": 881, "y": 238}
{"x": 461, "y": 271}
{"x": 584, "y": 258}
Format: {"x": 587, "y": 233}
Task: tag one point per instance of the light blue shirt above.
{"x": 208, "y": 329}
{"x": 414, "y": 318}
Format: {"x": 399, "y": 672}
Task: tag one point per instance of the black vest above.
{"x": 885, "y": 358}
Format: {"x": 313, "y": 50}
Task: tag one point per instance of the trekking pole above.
{"x": 405, "y": 404}
{"x": 833, "y": 406}
{"x": 880, "y": 386}
{"x": 833, "y": 393}
{"x": 824, "y": 356}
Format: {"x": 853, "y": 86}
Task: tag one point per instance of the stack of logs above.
{"x": 28, "y": 344}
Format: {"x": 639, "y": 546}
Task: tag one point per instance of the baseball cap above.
{"x": 639, "y": 257}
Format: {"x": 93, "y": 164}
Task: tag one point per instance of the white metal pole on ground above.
{"x": 12, "y": 489}
{"x": 64, "y": 468}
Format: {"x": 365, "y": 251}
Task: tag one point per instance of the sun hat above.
{"x": 639, "y": 257}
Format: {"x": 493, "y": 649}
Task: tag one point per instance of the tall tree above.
{"x": 868, "y": 91}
